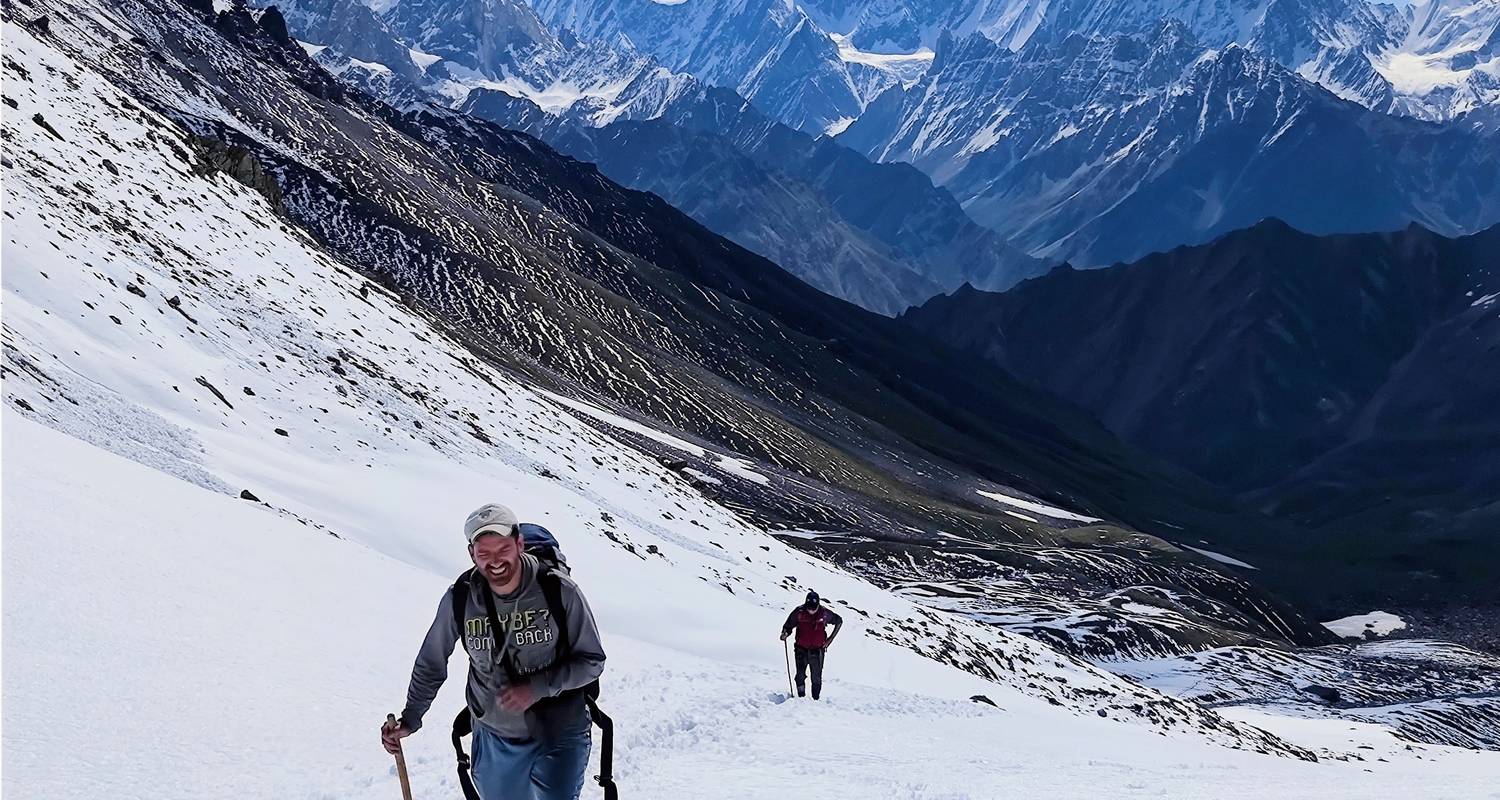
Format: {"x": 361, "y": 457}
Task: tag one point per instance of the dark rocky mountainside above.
{"x": 1344, "y": 383}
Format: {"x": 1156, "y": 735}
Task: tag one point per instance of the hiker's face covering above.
{"x": 498, "y": 558}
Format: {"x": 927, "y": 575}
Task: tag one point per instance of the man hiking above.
{"x": 532, "y": 731}
{"x": 810, "y": 620}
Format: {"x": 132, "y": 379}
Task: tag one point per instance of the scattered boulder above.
{"x": 204, "y": 8}
{"x": 246, "y": 494}
{"x": 47, "y": 126}
{"x": 274, "y": 24}
{"x": 201, "y": 381}
{"x": 1327, "y": 694}
{"x": 282, "y": 432}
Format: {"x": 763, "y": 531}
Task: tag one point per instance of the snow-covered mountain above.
{"x": 1100, "y": 149}
{"x": 264, "y": 334}
{"x": 1081, "y": 118}
{"x": 1448, "y": 63}
{"x": 768, "y": 51}
{"x": 1433, "y": 60}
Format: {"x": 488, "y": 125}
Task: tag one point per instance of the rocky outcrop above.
{"x": 238, "y": 163}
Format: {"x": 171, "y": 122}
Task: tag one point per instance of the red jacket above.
{"x": 811, "y": 626}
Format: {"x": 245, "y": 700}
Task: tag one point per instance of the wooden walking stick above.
{"x": 390, "y": 719}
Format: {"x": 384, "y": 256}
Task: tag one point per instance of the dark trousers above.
{"x": 809, "y": 657}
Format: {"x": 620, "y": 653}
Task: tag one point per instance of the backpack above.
{"x": 542, "y": 545}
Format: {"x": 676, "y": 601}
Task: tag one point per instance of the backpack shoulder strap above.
{"x": 552, "y": 590}
{"x": 459, "y": 597}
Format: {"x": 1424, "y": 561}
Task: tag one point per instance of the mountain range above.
{"x": 1101, "y": 149}
{"x": 1090, "y": 132}
{"x": 1434, "y": 60}
{"x": 880, "y": 235}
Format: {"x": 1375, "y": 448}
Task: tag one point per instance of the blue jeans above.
{"x": 530, "y": 769}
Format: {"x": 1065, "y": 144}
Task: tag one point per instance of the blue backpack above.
{"x": 541, "y": 543}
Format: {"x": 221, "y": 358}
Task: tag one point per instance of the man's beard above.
{"x": 502, "y": 572}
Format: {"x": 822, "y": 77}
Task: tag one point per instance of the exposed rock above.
{"x": 1327, "y": 694}
{"x": 238, "y": 163}
{"x": 274, "y": 24}
{"x": 46, "y": 126}
{"x": 205, "y": 384}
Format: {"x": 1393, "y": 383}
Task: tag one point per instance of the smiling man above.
{"x": 531, "y": 659}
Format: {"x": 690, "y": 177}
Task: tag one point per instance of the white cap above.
{"x": 490, "y": 518}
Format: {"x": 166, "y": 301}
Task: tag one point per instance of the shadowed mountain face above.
{"x": 879, "y": 235}
{"x": 1346, "y": 383}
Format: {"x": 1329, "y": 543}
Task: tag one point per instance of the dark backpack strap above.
{"x": 460, "y": 603}
{"x": 606, "y": 777}
{"x": 463, "y": 725}
{"x": 552, "y": 590}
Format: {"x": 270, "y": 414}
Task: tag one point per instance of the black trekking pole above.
{"x": 787, "y": 650}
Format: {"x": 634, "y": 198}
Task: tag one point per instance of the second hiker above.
{"x": 533, "y": 653}
{"x": 811, "y": 620}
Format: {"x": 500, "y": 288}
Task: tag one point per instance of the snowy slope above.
{"x": 300, "y": 677}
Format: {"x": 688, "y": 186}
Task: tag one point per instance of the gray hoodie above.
{"x": 529, "y": 642}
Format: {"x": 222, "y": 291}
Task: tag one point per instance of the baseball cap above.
{"x": 490, "y": 518}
